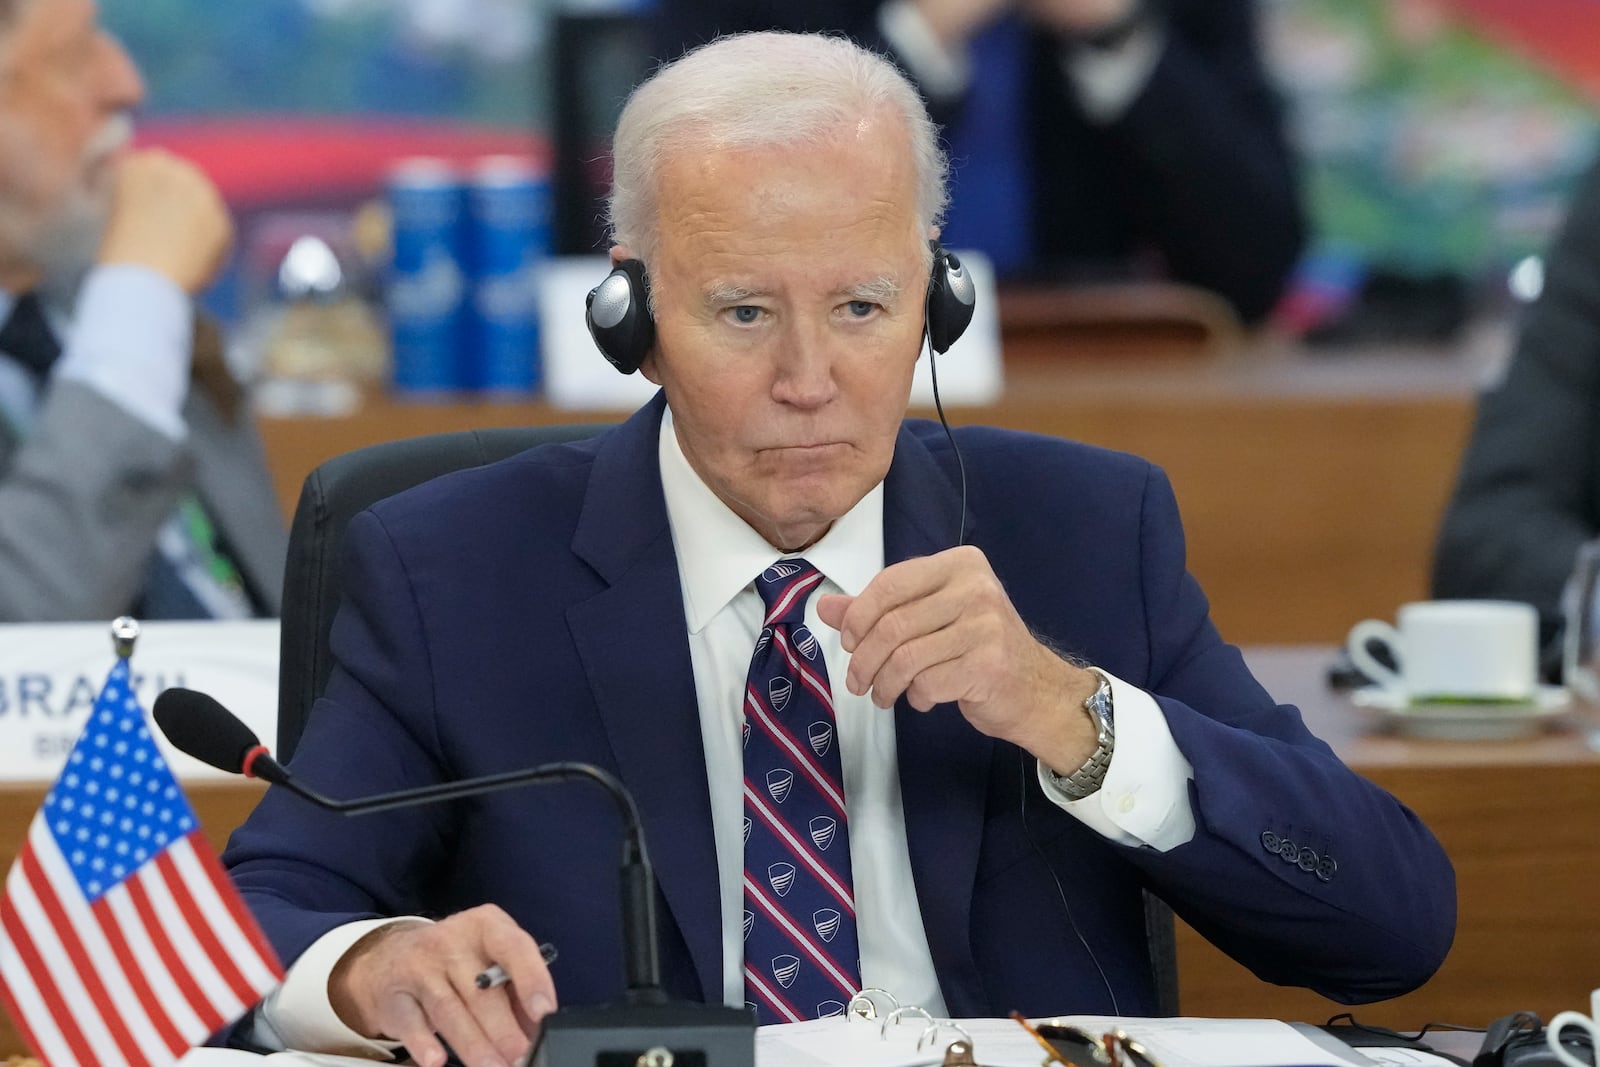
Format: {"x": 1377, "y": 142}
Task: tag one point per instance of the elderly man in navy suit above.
{"x": 900, "y": 708}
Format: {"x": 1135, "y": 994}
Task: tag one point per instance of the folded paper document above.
{"x": 227, "y": 1057}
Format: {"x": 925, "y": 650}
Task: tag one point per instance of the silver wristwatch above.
{"x": 1086, "y": 780}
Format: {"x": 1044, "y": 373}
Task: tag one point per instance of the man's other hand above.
{"x": 941, "y": 628}
{"x": 416, "y": 983}
{"x": 168, "y": 216}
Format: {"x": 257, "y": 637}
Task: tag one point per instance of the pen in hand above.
{"x": 494, "y": 976}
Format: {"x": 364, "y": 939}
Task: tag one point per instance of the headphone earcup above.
{"x": 951, "y": 299}
{"x": 617, "y": 313}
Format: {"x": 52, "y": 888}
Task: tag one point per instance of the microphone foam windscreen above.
{"x": 202, "y": 728}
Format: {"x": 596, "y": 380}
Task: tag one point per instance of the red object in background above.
{"x": 267, "y": 161}
{"x": 1560, "y": 35}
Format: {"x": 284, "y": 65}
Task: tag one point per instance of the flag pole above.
{"x": 124, "y": 632}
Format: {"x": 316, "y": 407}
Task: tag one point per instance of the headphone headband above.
{"x": 618, "y": 315}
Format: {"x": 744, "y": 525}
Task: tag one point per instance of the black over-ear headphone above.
{"x": 618, "y": 309}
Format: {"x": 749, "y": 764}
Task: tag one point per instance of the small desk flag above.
{"x": 122, "y": 941}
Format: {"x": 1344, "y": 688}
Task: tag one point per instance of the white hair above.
{"x": 760, "y": 89}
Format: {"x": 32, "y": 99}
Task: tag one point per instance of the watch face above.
{"x": 1099, "y": 705}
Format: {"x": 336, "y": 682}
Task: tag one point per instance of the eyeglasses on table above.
{"x": 1070, "y": 1046}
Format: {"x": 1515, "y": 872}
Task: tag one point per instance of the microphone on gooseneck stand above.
{"x": 710, "y": 1034}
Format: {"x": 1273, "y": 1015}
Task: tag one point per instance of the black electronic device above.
{"x": 617, "y": 311}
{"x": 709, "y": 1035}
{"x": 599, "y": 50}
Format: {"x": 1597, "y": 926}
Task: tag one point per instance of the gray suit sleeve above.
{"x": 81, "y": 501}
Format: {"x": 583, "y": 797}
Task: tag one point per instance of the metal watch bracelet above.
{"x": 1087, "y": 779}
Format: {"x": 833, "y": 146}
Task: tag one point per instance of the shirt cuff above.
{"x": 1109, "y": 80}
{"x": 299, "y": 1014}
{"x": 1144, "y": 799}
{"x": 130, "y": 341}
{"x": 943, "y": 74}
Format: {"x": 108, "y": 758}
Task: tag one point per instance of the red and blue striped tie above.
{"x": 801, "y": 960}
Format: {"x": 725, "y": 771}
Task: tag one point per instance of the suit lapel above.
{"x": 634, "y": 644}
{"x": 944, "y": 762}
{"x": 239, "y": 498}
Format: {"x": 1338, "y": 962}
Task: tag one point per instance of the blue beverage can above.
{"x": 508, "y": 212}
{"x": 427, "y": 288}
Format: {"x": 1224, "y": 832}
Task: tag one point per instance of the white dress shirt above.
{"x": 1144, "y": 799}
{"x": 129, "y": 340}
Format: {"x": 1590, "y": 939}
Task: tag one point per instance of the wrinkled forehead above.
{"x": 853, "y": 171}
{"x": 844, "y": 195}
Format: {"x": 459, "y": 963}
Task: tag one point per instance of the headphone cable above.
{"x": 1061, "y": 893}
{"x": 961, "y": 464}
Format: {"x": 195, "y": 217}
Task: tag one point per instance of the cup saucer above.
{"x": 1450, "y": 719}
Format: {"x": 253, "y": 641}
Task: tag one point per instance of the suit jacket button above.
{"x": 1269, "y": 841}
{"x": 1307, "y": 860}
{"x": 1326, "y": 868}
{"x": 1288, "y": 851}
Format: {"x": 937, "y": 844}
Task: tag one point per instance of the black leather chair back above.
{"x": 332, "y": 495}
{"x": 1161, "y": 937}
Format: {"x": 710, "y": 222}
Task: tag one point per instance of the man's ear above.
{"x": 647, "y": 365}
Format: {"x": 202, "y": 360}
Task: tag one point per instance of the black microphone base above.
{"x": 695, "y": 1035}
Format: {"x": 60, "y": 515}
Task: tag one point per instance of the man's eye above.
{"x": 861, "y": 308}
{"x": 746, "y": 314}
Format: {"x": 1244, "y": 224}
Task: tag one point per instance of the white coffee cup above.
{"x": 1590, "y": 1022}
{"x": 1465, "y": 649}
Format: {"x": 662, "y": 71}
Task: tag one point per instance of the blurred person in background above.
{"x": 1528, "y": 495}
{"x": 131, "y": 477}
{"x": 1090, "y": 140}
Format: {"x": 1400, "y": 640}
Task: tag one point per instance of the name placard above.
{"x": 50, "y": 674}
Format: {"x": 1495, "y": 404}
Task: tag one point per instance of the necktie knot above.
{"x": 28, "y": 338}
{"x": 784, "y": 587}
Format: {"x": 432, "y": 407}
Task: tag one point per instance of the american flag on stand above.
{"x": 122, "y": 941}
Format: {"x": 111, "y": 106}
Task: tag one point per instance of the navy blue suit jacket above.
{"x": 530, "y": 611}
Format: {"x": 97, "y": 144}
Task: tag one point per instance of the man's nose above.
{"x": 121, "y": 86}
{"x": 805, "y": 373}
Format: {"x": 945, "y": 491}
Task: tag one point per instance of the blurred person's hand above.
{"x": 410, "y": 981}
{"x": 168, "y": 216}
{"x": 955, "y": 22}
{"x": 1078, "y": 17}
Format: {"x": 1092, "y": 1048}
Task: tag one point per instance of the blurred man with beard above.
{"x": 130, "y": 479}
